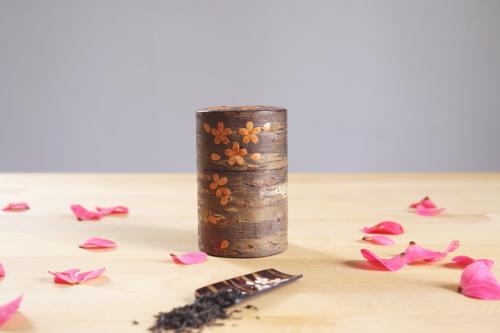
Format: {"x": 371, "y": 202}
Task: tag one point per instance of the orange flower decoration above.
{"x": 217, "y": 182}
{"x": 206, "y": 127}
{"x": 215, "y": 218}
{"x": 214, "y": 157}
{"x": 256, "y": 156}
{"x": 235, "y": 155}
{"x": 224, "y": 244}
{"x": 221, "y": 192}
{"x": 221, "y": 133}
{"x": 250, "y": 133}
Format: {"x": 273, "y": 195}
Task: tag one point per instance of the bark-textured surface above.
{"x": 242, "y": 180}
{"x": 250, "y": 284}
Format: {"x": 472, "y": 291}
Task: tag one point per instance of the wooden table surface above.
{"x": 337, "y": 293}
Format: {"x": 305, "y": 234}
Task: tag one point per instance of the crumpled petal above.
{"x": 69, "y": 277}
{"x": 73, "y": 276}
{"x": 2, "y": 270}
{"x": 16, "y": 207}
{"x": 385, "y": 227}
{"x": 379, "y": 240}
{"x": 8, "y": 310}
{"x": 464, "y": 261}
{"x": 393, "y": 264}
{"x": 478, "y": 281}
{"x": 425, "y": 202}
{"x": 115, "y": 210}
{"x": 426, "y": 207}
{"x": 189, "y": 258}
{"x": 98, "y": 243}
{"x": 415, "y": 252}
{"x": 83, "y": 214}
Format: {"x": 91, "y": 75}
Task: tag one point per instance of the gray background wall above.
{"x": 370, "y": 85}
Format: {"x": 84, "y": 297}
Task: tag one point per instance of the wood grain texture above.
{"x": 242, "y": 180}
{"x": 326, "y": 214}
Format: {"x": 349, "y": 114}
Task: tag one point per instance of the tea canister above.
{"x": 242, "y": 180}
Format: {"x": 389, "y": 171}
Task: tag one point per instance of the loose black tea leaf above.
{"x": 204, "y": 311}
{"x": 251, "y": 307}
{"x": 212, "y": 300}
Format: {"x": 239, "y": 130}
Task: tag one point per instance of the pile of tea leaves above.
{"x": 204, "y": 311}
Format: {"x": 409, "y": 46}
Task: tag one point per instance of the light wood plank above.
{"x": 326, "y": 214}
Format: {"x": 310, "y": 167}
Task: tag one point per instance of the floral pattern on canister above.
{"x": 215, "y": 218}
{"x": 250, "y": 133}
{"x": 221, "y": 192}
{"x": 224, "y": 244}
{"x": 217, "y": 181}
{"x": 255, "y": 156}
{"x": 236, "y": 154}
{"x": 207, "y": 128}
{"x": 214, "y": 157}
{"x": 220, "y": 133}
{"x": 224, "y": 194}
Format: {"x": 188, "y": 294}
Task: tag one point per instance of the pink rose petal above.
{"x": 2, "y": 271}
{"x": 8, "y": 310}
{"x": 393, "y": 264}
{"x": 82, "y": 214}
{"x": 464, "y": 261}
{"x": 426, "y": 207}
{"x": 478, "y": 281}
{"x": 113, "y": 210}
{"x": 416, "y": 253}
{"x": 425, "y": 202}
{"x": 73, "y": 276}
{"x": 423, "y": 211}
{"x": 68, "y": 277}
{"x": 85, "y": 276}
{"x": 385, "y": 227}
{"x": 16, "y": 207}
{"x": 189, "y": 258}
{"x": 98, "y": 243}
{"x": 379, "y": 240}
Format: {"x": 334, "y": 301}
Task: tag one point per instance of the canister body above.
{"x": 242, "y": 180}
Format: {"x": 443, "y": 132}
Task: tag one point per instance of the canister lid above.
{"x": 245, "y": 108}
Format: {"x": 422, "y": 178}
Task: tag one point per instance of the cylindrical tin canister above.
{"x": 242, "y": 180}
